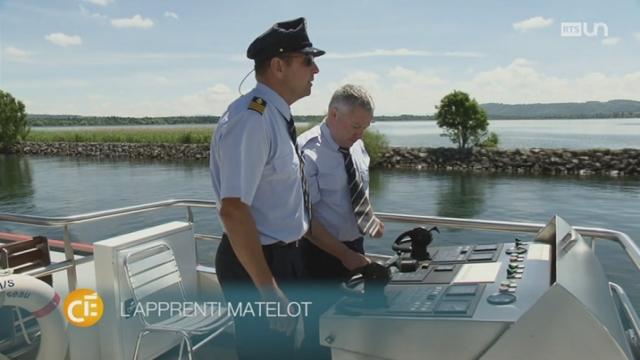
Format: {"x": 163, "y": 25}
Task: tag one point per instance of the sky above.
{"x": 187, "y": 57}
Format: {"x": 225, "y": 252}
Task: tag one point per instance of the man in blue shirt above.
{"x": 260, "y": 190}
{"x": 336, "y": 166}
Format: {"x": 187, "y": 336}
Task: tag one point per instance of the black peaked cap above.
{"x": 283, "y": 37}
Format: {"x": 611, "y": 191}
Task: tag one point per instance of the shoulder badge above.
{"x": 257, "y": 104}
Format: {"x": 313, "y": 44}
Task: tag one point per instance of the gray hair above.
{"x": 349, "y": 96}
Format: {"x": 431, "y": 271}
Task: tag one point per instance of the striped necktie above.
{"x": 291, "y": 129}
{"x": 367, "y": 222}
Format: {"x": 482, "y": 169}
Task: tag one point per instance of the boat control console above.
{"x": 496, "y": 301}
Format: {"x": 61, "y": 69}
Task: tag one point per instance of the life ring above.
{"x": 42, "y": 301}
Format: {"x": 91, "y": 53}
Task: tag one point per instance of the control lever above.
{"x": 420, "y": 239}
{"x": 519, "y": 248}
{"x": 405, "y": 264}
{"x": 373, "y": 277}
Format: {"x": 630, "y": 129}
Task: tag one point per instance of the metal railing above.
{"x": 627, "y": 307}
{"x": 70, "y": 262}
{"x": 631, "y": 249}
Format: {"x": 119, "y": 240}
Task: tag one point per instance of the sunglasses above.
{"x": 307, "y": 61}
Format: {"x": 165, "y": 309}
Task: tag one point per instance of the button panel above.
{"x": 453, "y": 300}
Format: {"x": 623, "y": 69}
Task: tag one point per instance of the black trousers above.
{"x": 254, "y": 338}
{"x": 325, "y": 274}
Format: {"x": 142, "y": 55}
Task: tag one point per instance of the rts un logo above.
{"x": 579, "y": 29}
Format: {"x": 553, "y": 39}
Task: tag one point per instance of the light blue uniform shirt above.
{"x": 327, "y": 180}
{"x": 253, "y": 158}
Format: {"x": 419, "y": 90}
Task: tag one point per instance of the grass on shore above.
{"x": 375, "y": 142}
{"x": 138, "y": 136}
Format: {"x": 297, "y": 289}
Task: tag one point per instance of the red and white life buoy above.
{"x": 43, "y": 302}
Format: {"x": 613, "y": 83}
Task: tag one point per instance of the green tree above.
{"x": 376, "y": 144}
{"x": 13, "y": 121}
{"x": 491, "y": 141}
{"x": 462, "y": 119}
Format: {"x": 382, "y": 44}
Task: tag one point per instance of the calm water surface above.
{"x": 572, "y": 134}
{"x": 56, "y": 186}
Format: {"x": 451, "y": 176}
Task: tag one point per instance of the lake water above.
{"x": 573, "y": 134}
{"x": 57, "y": 186}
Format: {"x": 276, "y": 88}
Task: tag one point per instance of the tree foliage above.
{"x": 13, "y": 121}
{"x": 491, "y": 141}
{"x": 376, "y": 144}
{"x": 77, "y": 120}
{"x": 462, "y": 119}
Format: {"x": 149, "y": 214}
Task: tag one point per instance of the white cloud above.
{"x": 90, "y": 14}
{"x": 395, "y": 89}
{"x": 170, "y": 14}
{"x": 208, "y": 101}
{"x": 116, "y": 58}
{"x": 401, "y": 90}
{"x": 411, "y": 89}
{"x": 213, "y": 100}
{"x": 398, "y": 90}
{"x": 63, "y": 39}
{"x": 517, "y": 82}
{"x": 136, "y": 22}
{"x": 100, "y": 2}
{"x": 320, "y": 95}
{"x": 532, "y": 23}
{"x": 401, "y": 52}
{"x": 522, "y": 62}
{"x": 637, "y": 35}
{"x": 17, "y": 55}
{"x": 148, "y": 79}
{"x": 96, "y": 97}
{"x": 610, "y": 41}
{"x": 522, "y": 83}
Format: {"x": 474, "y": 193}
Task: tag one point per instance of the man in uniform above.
{"x": 336, "y": 166}
{"x": 259, "y": 189}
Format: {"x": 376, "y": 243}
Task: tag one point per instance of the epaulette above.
{"x": 257, "y": 104}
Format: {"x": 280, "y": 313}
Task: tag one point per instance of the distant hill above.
{"x": 36, "y": 120}
{"x": 77, "y": 120}
{"x": 587, "y": 110}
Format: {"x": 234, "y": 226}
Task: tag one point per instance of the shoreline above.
{"x": 537, "y": 161}
{"x": 615, "y": 163}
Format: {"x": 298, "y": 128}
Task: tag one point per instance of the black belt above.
{"x": 353, "y": 241}
{"x": 281, "y": 244}
{"x": 355, "y": 245}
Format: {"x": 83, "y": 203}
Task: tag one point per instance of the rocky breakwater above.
{"x": 532, "y": 161}
{"x": 116, "y": 150}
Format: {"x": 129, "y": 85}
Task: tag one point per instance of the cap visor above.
{"x": 313, "y": 51}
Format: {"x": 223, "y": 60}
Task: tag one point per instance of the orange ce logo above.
{"x": 83, "y": 307}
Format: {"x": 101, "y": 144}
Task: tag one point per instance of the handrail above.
{"x": 57, "y": 267}
{"x": 631, "y": 249}
{"x": 627, "y": 307}
{"x": 70, "y": 262}
{"x": 105, "y": 214}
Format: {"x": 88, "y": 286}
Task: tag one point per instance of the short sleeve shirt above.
{"x": 253, "y": 158}
{"x": 327, "y": 180}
